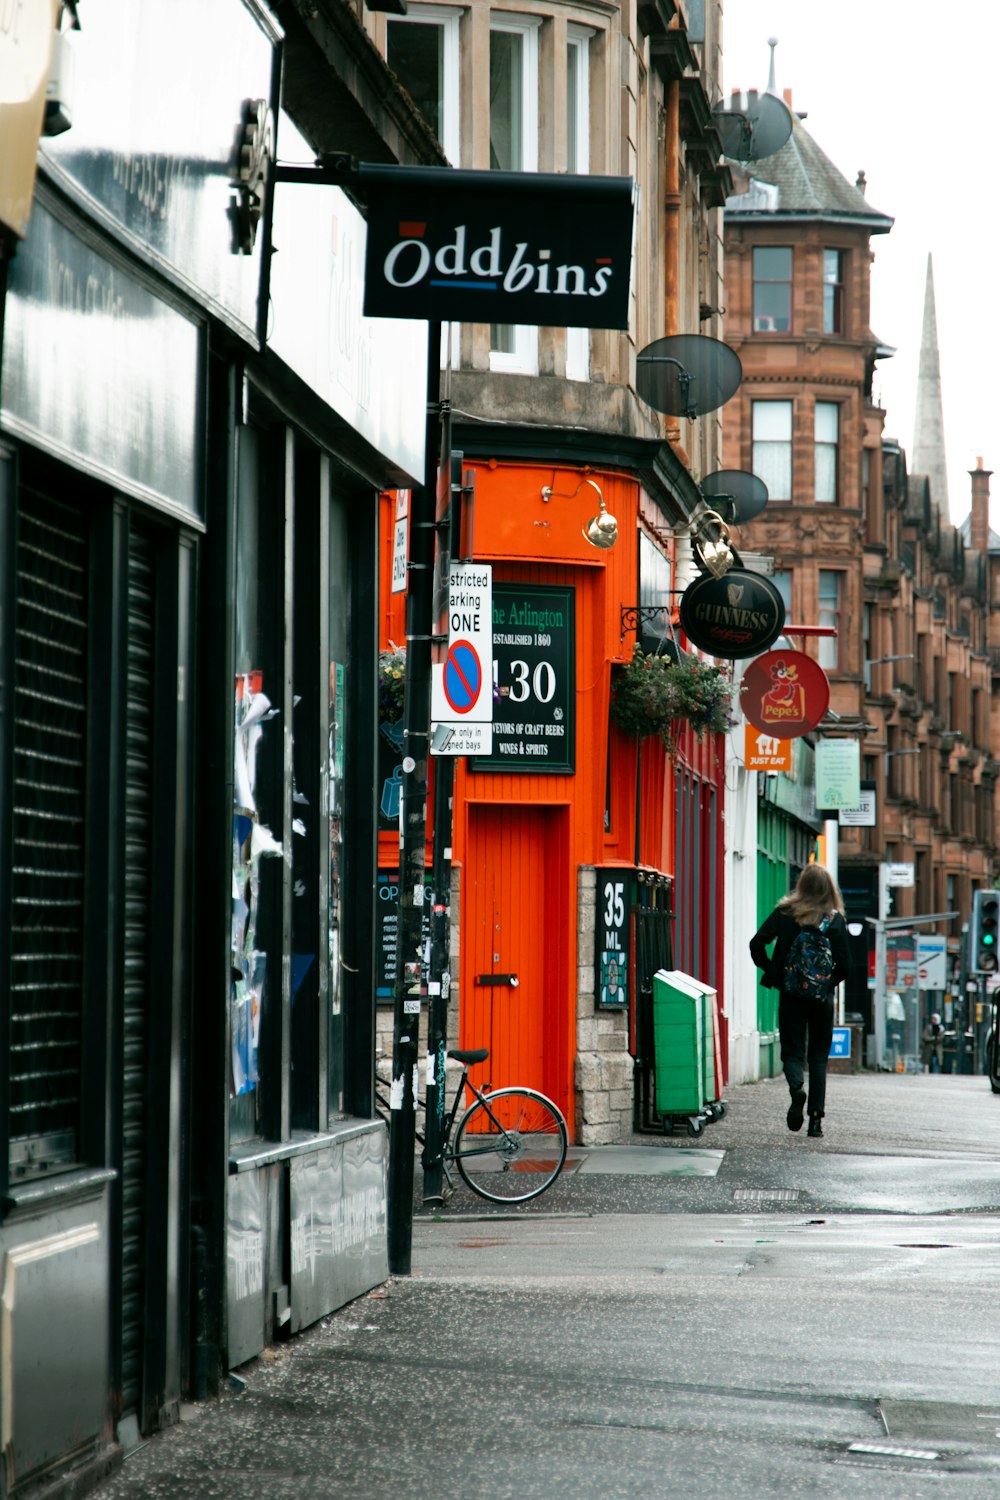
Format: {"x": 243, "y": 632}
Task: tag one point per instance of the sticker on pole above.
{"x": 463, "y": 677}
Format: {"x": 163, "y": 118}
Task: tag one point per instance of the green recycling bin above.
{"x": 678, "y": 1046}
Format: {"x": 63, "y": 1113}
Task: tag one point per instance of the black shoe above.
{"x": 815, "y": 1125}
{"x": 796, "y": 1109}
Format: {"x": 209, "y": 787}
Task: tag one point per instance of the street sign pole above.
{"x": 413, "y": 814}
{"x": 439, "y": 968}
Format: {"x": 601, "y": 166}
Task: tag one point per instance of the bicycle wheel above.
{"x": 510, "y": 1145}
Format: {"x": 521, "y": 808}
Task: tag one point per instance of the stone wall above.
{"x": 603, "y": 1075}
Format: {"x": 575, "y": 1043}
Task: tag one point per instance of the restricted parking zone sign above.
{"x": 462, "y": 684}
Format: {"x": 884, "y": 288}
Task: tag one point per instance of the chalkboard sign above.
{"x": 387, "y": 932}
{"x": 534, "y": 679}
{"x": 612, "y": 938}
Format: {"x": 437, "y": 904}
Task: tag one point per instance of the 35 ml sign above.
{"x": 497, "y": 247}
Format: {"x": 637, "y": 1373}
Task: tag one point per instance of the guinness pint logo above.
{"x": 737, "y": 615}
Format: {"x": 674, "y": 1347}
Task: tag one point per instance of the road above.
{"x": 751, "y": 1314}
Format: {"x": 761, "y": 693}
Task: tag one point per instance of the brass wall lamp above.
{"x": 601, "y": 530}
{"x": 714, "y": 553}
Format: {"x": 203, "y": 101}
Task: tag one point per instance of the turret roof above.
{"x": 806, "y": 183}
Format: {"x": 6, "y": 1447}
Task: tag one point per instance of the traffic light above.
{"x": 984, "y": 947}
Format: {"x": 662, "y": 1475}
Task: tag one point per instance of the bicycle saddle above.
{"x": 476, "y": 1055}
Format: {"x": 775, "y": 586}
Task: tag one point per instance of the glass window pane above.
{"x": 782, "y": 580}
{"x": 829, "y": 616}
{"x": 826, "y": 474}
{"x": 772, "y": 289}
{"x": 772, "y": 263}
{"x": 772, "y": 462}
{"x": 772, "y": 421}
{"x": 506, "y": 101}
{"x": 573, "y": 72}
{"x": 336, "y": 768}
{"x": 827, "y": 413}
{"x": 415, "y": 52}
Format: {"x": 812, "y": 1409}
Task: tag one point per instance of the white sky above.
{"x": 907, "y": 90}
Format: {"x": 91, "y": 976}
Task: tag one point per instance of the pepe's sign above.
{"x": 497, "y": 247}
{"x": 737, "y": 615}
{"x": 785, "y": 693}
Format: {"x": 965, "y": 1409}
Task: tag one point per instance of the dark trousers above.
{"x": 806, "y": 1031}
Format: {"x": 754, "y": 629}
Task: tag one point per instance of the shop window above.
{"x": 833, "y": 291}
{"x": 258, "y": 831}
{"x": 772, "y": 446}
{"x": 827, "y": 436}
{"x": 513, "y": 148}
{"x": 422, "y": 50}
{"x": 772, "y": 289}
{"x": 829, "y": 606}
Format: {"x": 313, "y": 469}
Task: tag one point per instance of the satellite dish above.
{"x": 737, "y": 495}
{"x": 755, "y": 132}
{"x": 687, "y": 374}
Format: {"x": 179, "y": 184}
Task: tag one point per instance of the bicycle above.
{"x": 510, "y": 1144}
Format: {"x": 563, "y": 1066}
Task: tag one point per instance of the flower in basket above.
{"x": 655, "y": 695}
{"x": 391, "y": 679}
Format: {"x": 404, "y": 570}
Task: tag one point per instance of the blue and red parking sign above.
{"x": 463, "y": 677}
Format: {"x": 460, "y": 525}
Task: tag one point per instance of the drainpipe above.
{"x": 671, "y": 210}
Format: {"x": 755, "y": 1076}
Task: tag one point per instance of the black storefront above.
{"x": 188, "y": 534}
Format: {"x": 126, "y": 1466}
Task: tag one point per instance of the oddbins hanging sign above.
{"x": 784, "y": 693}
{"x": 498, "y": 247}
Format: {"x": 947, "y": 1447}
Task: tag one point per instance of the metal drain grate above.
{"x": 765, "y": 1195}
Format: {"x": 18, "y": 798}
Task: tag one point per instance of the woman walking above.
{"x": 819, "y": 961}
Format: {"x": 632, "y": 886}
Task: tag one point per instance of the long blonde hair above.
{"x": 815, "y": 896}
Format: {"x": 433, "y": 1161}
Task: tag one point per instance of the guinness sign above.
{"x": 737, "y": 615}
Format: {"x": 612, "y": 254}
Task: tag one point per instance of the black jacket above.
{"x": 780, "y": 928}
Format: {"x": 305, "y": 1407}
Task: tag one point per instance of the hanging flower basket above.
{"x": 391, "y": 680}
{"x": 655, "y": 695}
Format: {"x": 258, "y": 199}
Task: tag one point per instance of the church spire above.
{"x": 928, "y": 424}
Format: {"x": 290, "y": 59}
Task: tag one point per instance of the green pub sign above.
{"x": 534, "y": 679}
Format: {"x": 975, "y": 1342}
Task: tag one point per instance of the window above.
{"x": 513, "y": 148}
{"x": 827, "y": 428}
{"x": 654, "y": 593}
{"x": 422, "y": 51}
{"x": 829, "y": 615}
{"x": 772, "y": 447}
{"x": 833, "y": 291}
{"x": 578, "y": 161}
{"x": 782, "y": 580}
{"x": 772, "y": 289}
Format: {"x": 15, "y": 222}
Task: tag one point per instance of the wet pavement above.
{"x": 896, "y": 1143}
{"x": 802, "y": 1317}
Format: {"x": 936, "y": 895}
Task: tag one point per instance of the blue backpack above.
{"x": 809, "y": 965}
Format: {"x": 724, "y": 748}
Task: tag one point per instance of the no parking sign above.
{"x": 462, "y": 684}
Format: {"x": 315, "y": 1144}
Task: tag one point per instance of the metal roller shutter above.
{"x": 49, "y": 793}
{"x": 136, "y": 985}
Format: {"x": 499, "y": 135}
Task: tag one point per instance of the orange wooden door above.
{"x": 518, "y": 947}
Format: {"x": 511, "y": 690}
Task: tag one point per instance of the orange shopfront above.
{"x": 565, "y": 805}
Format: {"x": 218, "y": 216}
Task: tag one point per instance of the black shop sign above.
{"x": 387, "y": 932}
{"x": 612, "y": 938}
{"x": 534, "y": 679}
{"x": 539, "y": 248}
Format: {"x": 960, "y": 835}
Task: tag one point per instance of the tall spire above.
{"x": 928, "y": 422}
